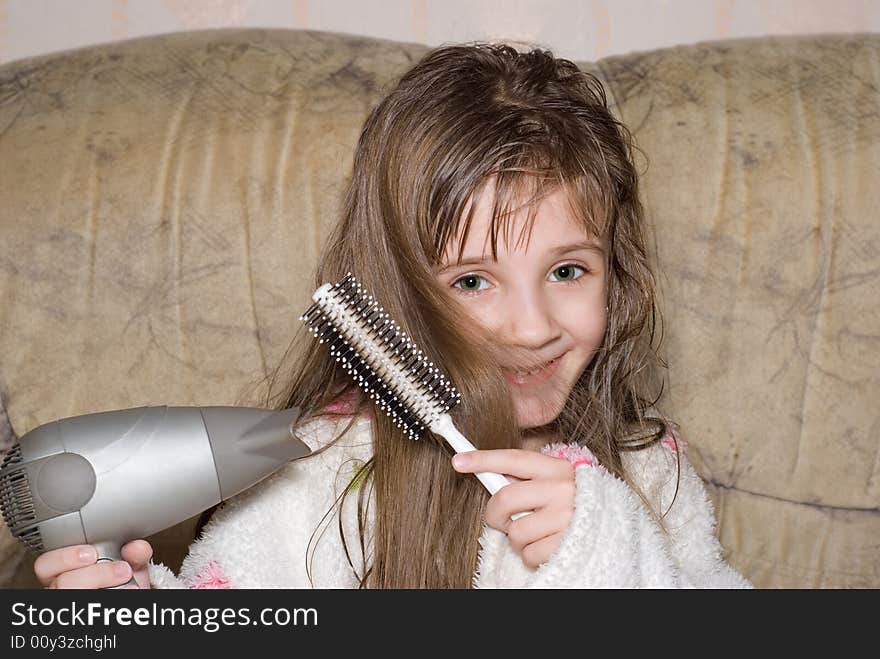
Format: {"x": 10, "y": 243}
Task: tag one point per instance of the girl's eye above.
{"x": 468, "y": 283}
{"x": 566, "y": 272}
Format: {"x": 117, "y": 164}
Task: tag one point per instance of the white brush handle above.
{"x": 492, "y": 481}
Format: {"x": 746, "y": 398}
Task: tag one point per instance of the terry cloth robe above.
{"x": 261, "y": 537}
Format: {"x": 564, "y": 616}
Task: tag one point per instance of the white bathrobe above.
{"x": 260, "y": 538}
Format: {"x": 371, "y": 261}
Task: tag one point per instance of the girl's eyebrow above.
{"x": 574, "y": 247}
{"x": 556, "y": 251}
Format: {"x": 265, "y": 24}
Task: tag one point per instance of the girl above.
{"x": 547, "y": 334}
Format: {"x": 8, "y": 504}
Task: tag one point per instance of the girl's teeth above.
{"x": 537, "y": 370}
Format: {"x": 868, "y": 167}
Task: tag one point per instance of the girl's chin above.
{"x": 538, "y": 406}
{"x": 534, "y": 421}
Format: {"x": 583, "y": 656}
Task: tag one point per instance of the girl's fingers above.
{"x": 50, "y": 564}
{"x": 522, "y": 464}
{"x": 533, "y": 528}
{"x": 100, "y": 575}
{"x": 537, "y": 553}
{"x": 78, "y": 567}
{"x": 528, "y": 495}
{"x": 138, "y": 554}
{"x": 514, "y": 498}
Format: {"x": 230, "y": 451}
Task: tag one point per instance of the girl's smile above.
{"x": 535, "y": 376}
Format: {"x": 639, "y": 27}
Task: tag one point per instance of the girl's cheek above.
{"x": 481, "y": 311}
{"x": 587, "y": 326}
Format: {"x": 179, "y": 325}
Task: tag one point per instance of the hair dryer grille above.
{"x": 13, "y": 456}
{"x": 31, "y": 538}
{"x": 17, "y": 503}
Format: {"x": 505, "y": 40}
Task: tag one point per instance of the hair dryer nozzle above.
{"x": 248, "y": 442}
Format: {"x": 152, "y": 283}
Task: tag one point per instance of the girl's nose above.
{"x": 529, "y": 320}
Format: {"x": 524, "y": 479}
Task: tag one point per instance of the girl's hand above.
{"x": 67, "y": 567}
{"x": 542, "y": 483}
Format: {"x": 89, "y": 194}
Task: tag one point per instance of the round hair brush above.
{"x": 386, "y": 364}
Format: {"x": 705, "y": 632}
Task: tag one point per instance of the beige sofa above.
{"x": 163, "y": 200}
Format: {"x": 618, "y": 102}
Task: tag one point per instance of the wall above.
{"x": 577, "y": 29}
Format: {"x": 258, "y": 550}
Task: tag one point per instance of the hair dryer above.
{"x": 111, "y": 477}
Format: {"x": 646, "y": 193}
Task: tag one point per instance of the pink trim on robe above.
{"x": 672, "y": 438}
{"x": 577, "y": 455}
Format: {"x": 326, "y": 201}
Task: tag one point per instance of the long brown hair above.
{"x": 532, "y": 123}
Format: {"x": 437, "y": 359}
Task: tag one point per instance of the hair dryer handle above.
{"x": 109, "y": 552}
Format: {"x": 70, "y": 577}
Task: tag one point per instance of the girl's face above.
{"x": 545, "y": 301}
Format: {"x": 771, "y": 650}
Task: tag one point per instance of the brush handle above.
{"x": 460, "y": 444}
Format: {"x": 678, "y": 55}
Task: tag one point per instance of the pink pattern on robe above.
{"x": 345, "y": 404}
{"x": 211, "y": 576}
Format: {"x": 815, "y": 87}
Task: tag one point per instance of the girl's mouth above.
{"x": 536, "y": 376}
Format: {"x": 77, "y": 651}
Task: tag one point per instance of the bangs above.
{"x": 515, "y": 191}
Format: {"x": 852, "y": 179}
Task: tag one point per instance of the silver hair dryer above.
{"x": 111, "y": 477}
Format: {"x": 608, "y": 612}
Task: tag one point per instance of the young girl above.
{"x": 493, "y": 211}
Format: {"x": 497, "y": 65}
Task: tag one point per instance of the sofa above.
{"x": 163, "y": 201}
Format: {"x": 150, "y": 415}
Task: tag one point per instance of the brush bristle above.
{"x": 380, "y": 357}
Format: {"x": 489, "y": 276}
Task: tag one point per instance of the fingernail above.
{"x": 459, "y": 461}
{"x": 88, "y": 555}
{"x": 120, "y": 569}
